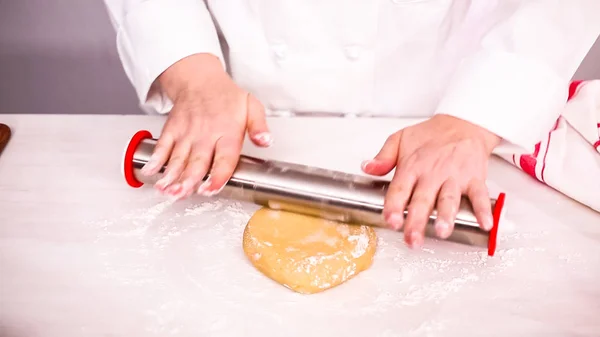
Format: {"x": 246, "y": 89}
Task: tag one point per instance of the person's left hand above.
{"x": 437, "y": 161}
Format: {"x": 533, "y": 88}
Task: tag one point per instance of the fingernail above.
{"x": 165, "y": 181}
{"x": 186, "y": 186}
{"x": 174, "y": 189}
{"x": 187, "y": 194}
{"x": 150, "y": 166}
{"x": 416, "y": 239}
{"x": 204, "y": 186}
{"x": 365, "y": 164}
{"x": 264, "y": 138}
{"x": 488, "y": 223}
{"x": 209, "y": 194}
{"x": 172, "y": 198}
{"x": 161, "y": 184}
{"x": 395, "y": 220}
{"x": 442, "y": 229}
{"x": 213, "y": 192}
{"x": 159, "y": 188}
{"x": 180, "y": 191}
{"x": 181, "y": 195}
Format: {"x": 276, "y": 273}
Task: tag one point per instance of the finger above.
{"x": 386, "y": 159}
{"x": 198, "y": 164}
{"x": 397, "y": 196}
{"x": 177, "y": 162}
{"x": 419, "y": 209}
{"x": 479, "y": 196}
{"x": 448, "y": 202}
{"x": 257, "y": 123}
{"x": 160, "y": 155}
{"x": 227, "y": 154}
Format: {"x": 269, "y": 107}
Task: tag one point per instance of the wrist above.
{"x": 192, "y": 73}
{"x": 489, "y": 139}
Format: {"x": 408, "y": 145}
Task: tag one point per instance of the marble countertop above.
{"x": 83, "y": 254}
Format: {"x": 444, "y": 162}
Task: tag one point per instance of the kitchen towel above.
{"x": 568, "y": 158}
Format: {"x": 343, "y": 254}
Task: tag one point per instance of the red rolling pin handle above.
{"x": 137, "y": 138}
{"x": 497, "y": 213}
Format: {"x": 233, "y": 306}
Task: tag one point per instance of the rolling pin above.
{"x": 314, "y": 191}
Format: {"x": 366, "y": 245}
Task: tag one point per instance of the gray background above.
{"x": 59, "y": 56}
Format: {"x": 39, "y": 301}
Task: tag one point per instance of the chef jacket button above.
{"x": 279, "y": 50}
{"x": 352, "y": 52}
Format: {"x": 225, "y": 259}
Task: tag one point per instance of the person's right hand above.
{"x": 205, "y": 129}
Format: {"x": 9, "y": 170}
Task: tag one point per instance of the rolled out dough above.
{"x": 304, "y": 253}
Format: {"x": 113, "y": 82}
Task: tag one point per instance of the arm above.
{"x": 515, "y": 82}
{"x": 152, "y": 35}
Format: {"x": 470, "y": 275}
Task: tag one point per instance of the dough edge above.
{"x": 356, "y": 265}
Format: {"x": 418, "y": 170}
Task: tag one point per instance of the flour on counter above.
{"x": 148, "y": 214}
{"x": 203, "y": 208}
{"x": 183, "y": 263}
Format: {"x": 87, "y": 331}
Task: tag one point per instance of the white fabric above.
{"x": 504, "y": 65}
{"x": 501, "y": 64}
{"x": 568, "y": 157}
{"x": 153, "y": 35}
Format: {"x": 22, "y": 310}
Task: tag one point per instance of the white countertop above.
{"x": 83, "y": 254}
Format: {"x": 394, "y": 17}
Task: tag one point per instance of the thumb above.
{"x": 257, "y": 123}
{"x": 386, "y": 159}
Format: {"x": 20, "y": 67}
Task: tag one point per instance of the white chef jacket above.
{"x": 504, "y": 65}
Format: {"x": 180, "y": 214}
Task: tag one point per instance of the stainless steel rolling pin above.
{"x": 314, "y": 191}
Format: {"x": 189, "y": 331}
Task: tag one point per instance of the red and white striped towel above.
{"x": 568, "y": 160}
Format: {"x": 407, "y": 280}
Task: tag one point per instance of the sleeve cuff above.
{"x": 517, "y": 99}
{"x": 155, "y": 35}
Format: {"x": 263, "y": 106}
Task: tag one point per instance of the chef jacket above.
{"x": 504, "y": 65}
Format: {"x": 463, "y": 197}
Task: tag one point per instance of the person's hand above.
{"x": 437, "y": 161}
{"x": 205, "y": 129}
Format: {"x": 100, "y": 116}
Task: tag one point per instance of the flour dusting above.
{"x": 203, "y": 208}
{"x": 320, "y": 236}
{"x": 361, "y": 242}
{"x": 148, "y": 214}
{"x": 184, "y": 271}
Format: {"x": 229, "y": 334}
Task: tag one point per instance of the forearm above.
{"x": 514, "y": 84}
{"x": 153, "y": 35}
{"x": 190, "y": 73}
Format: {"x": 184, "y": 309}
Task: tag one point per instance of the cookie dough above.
{"x": 307, "y": 254}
